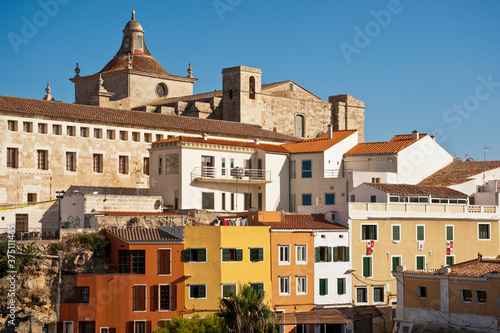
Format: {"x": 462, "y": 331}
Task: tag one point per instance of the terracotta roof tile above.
{"x": 135, "y": 213}
{"x": 395, "y": 145}
{"x": 136, "y": 235}
{"x": 304, "y": 222}
{"x": 319, "y": 144}
{"x": 407, "y": 189}
{"x": 472, "y": 268}
{"x": 25, "y": 107}
{"x": 263, "y": 146}
{"x": 459, "y": 172}
{"x": 144, "y": 63}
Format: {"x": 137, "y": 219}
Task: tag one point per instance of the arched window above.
{"x": 299, "y": 126}
{"x": 139, "y": 42}
{"x": 252, "y": 87}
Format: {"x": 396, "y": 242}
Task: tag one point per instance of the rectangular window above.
{"x": 341, "y": 286}
{"x": 421, "y": 292}
{"x": 323, "y": 287}
{"x": 292, "y": 203}
{"x": 140, "y": 327}
{"x": 293, "y": 170}
{"x": 97, "y": 133}
{"x": 232, "y": 201}
{"x": 306, "y": 199}
{"x": 84, "y": 132}
{"x": 223, "y": 201}
{"x": 284, "y": 252}
{"x": 138, "y": 258}
{"x": 164, "y": 261}
{"x": 159, "y": 137}
{"x": 147, "y": 137}
{"x": 257, "y": 287}
{"x": 145, "y": 166}
{"x": 341, "y": 253}
{"x": 362, "y": 295}
{"x": 323, "y": 254}
{"x": 164, "y": 297}
{"x": 481, "y": 296}
{"x": 329, "y": 198}
{"x": 369, "y": 232}
{"x": 194, "y": 255}
{"x": 139, "y": 298}
{"x": 376, "y": 180}
{"x": 228, "y": 290}
{"x": 198, "y": 291}
{"x": 70, "y": 161}
{"x": 172, "y": 164}
{"x": 301, "y": 254}
{"x": 110, "y": 134}
{"x": 378, "y": 294}
{"x": 71, "y": 130}
{"x": 449, "y": 233}
{"x": 484, "y": 231}
{"x": 136, "y": 136}
{"x": 420, "y": 262}
{"x": 367, "y": 266}
{"x": 301, "y": 285}
{"x": 123, "y": 164}
{"x": 207, "y": 200}
{"x": 373, "y": 198}
{"x": 396, "y": 233}
{"x": 307, "y": 169}
{"x": 247, "y": 197}
{"x": 259, "y": 201}
{"x": 450, "y": 260}
{"x": 160, "y": 165}
{"x": 466, "y": 295}
{"x": 32, "y": 197}
{"x": 232, "y": 255}
{"x": 396, "y": 261}
{"x": 28, "y": 127}
{"x": 256, "y": 254}
{"x": 284, "y": 285}
{"x": 84, "y": 294}
{"x": 97, "y": 163}
{"x": 42, "y": 159}
{"x": 420, "y": 232}
{"x": 12, "y": 157}
{"x": 12, "y": 125}
{"x": 123, "y": 135}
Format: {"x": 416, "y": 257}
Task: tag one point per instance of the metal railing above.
{"x": 230, "y": 173}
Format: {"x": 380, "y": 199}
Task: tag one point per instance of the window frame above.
{"x": 284, "y": 283}
{"x": 260, "y": 254}
{"x": 197, "y": 285}
{"x": 299, "y": 278}
{"x": 42, "y": 159}
{"x": 281, "y": 252}
{"x": 190, "y": 255}
{"x": 169, "y": 297}
{"x": 304, "y": 195}
{"x": 27, "y": 127}
{"x": 399, "y": 233}
{"x": 478, "y": 299}
{"x": 110, "y": 134}
{"x": 56, "y": 129}
{"x": 374, "y": 294}
{"x": 145, "y": 297}
{"x": 325, "y": 287}
{"x": 301, "y": 248}
{"x": 12, "y": 125}
{"x": 422, "y": 292}
{"x": 392, "y": 262}
{"x": 12, "y": 160}
{"x": 161, "y": 262}
{"x": 84, "y": 294}
{"x": 416, "y": 231}
{"x": 479, "y": 231}
{"x": 235, "y": 285}
{"x": 370, "y": 257}
{"x": 97, "y": 163}
{"x": 145, "y": 166}
{"x": 451, "y": 256}
{"x": 319, "y": 253}
{"x": 84, "y": 131}
{"x": 341, "y": 286}
{"x": 368, "y": 225}
{"x": 123, "y": 164}
{"x": 452, "y": 232}
{"x": 237, "y": 256}
{"x": 203, "y": 205}
{"x": 254, "y": 284}
{"x": 326, "y": 198}
{"x": 43, "y": 128}
{"x": 306, "y": 173}
{"x": 365, "y": 298}
{"x": 293, "y": 169}
{"x": 98, "y": 133}
{"x": 71, "y": 161}
{"x": 70, "y": 130}
{"x": 416, "y": 262}
{"x": 463, "y": 297}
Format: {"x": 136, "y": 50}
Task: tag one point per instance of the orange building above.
{"x": 140, "y": 289}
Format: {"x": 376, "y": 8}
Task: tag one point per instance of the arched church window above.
{"x": 126, "y": 42}
{"x": 252, "y": 87}
{"x": 299, "y": 125}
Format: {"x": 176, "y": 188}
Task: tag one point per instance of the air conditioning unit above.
{"x": 420, "y": 245}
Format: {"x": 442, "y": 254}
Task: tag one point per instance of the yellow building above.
{"x": 220, "y": 259}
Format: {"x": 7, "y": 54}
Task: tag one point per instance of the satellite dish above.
{"x": 319, "y": 134}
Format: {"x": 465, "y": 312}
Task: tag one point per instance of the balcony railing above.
{"x": 231, "y": 173}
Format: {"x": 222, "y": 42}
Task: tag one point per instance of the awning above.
{"x": 328, "y": 316}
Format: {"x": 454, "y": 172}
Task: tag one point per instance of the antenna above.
{"x": 485, "y": 151}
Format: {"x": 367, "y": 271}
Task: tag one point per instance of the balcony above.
{"x": 231, "y": 175}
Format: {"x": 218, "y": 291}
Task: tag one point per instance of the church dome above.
{"x": 133, "y": 25}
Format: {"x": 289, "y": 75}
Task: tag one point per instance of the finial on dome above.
{"x": 129, "y": 62}
{"x": 99, "y": 86}
{"x": 48, "y": 89}
{"x": 133, "y": 14}
{"x": 190, "y": 71}
{"x": 48, "y": 97}
{"x": 77, "y": 71}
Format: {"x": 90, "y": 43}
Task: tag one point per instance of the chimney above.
{"x": 415, "y": 135}
{"x": 204, "y": 136}
{"x": 256, "y": 141}
{"x": 330, "y": 131}
{"x": 433, "y": 137}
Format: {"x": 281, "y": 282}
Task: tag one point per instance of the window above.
{"x": 257, "y": 254}
{"x": 232, "y": 255}
{"x": 12, "y": 157}
{"x": 481, "y": 296}
{"x": 420, "y": 232}
{"x": 420, "y": 262}
{"x": 307, "y": 169}
{"x": 123, "y": 164}
{"x": 450, "y": 260}
{"x": 27, "y": 127}
{"x": 329, "y": 198}
{"x": 136, "y": 257}
{"x": 484, "y": 231}
{"x": 160, "y": 165}
{"x": 198, "y": 291}
{"x": 84, "y": 132}
{"x": 12, "y": 125}
{"x": 147, "y": 137}
{"x": 376, "y": 180}
{"x": 293, "y": 171}
{"x": 299, "y": 126}
{"x": 369, "y": 232}
{"x": 378, "y": 294}
{"x": 367, "y": 266}
{"x": 140, "y": 326}
{"x": 291, "y": 86}
{"x": 70, "y": 161}
{"x": 362, "y": 295}
{"x": 172, "y": 164}
{"x": 396, "y": 233}
{"x": 340, "y": 253}
{"x": 301, "y": 285}
{"x": 97, "y": 163}
{"x": 165, "y": 295}
{"x": 421, "y": 292}
{"x": 284, "y": 252}
{"x": 139, "y": 42}
{"x": 232, "y": 201}
{"x": 136, "y": 136}
{"x": 104, "y": 330}
{"x": 194, "y": 255}
{"x": 292, "y": 203}
{"x": 257, "y": 287}
{"x": 71, "y": 130}
{"x": 139, "y": 298}
{"x": 449, "y": 233}
{"x": 300, "y": 254}
{"x": 247, "y": 199}
{"x": 123, "y": 135}
{"x": 259, "y": 201}
{"x": 31, "y": 197}
{"x": 110, "y": 134}
{"x": 396, "y": 261}
{"x": 84, "y": 294}
{"x": 228, "y": 290}
{"x": 42, "y": 159}
{"x": 145, "y": 166}
{"x": 373, "y": 198}
{"x": 341, "y": 286}
{"x": 466, "y": 295}
{"x": 323, "y": 254}
{"x": 164, "y": 261}
{"x": 306, "y": 199}
{"x": 97, "y": 133}
{"x": 284, "y": 285}
{"x": 207, "y": 200}
{"x": 68, "y": 327}
{"x": 251, "y": 89}
{"x": 56, "y": 129}
{"x": 159, "y": 137}
{"x": 323, "y": 287}
{"x": 223, "y": 201}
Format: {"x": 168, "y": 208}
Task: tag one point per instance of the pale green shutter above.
{"x": 239, "y": 255}
{"x": 395, "y": 233}
{"x": 420, "y": 232}
{"x": 317, "y": 254}
{"x": 328, "y": 254}
{"x": 367, "y": 266}
{"x": 346, "y": 253}
{"x": 225, "y": 255}
{"x": 335, "y": 254}
{"x": 186, "y": 255}
{"x": 202, "y": 255}
{"x": 449, "y": 233}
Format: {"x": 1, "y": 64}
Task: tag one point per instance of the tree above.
{"x": 210, "y": 324}
{"x": 246, "y": 312}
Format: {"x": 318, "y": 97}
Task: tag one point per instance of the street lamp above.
{"x": 59, "y": 196}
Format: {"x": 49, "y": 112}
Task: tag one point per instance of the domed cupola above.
{"x": 133, "y": 39}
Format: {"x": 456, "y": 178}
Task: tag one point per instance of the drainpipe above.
{"x": 289, "y": 183}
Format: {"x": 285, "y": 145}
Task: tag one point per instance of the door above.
{"x": 21, "y": 223}
{"x": 260, "y": 172}
{"x": 207, "y": 166}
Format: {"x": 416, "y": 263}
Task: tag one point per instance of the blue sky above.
{"x": 433, "y": 66}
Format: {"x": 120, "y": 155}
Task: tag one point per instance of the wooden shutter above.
{"x": 130, "y": 327}
{"x": 112, "y": 330}
{"x": 335, "y": 254}
{"x": 225, "y": 255}
{"x": 396, "y": 261}
{"x": 420, "y": 232}
{"x": 317, "y": 254}
{"x": 202, "y": 291}
{"x": 395, "y": 233}
{"x": 153, "y": 291}
{"x": 164, "y": 261}
{"x": 367, "y": 267}
{"x": 341, "y": 286}
{"x": 346, "y": 253}
{"x": 261, "y": 254}
{"x": 449, "y": 233}
{"x": 60, "y": 327}
{"x": 202, "y": 255}
{"x": 239, "y": 255}
{"x": 328, "y": 254}
{"x": 139, "y": 298}
{"x": 173, "y": 297}
{"x": 148, "y": 326}
{"x": 186, "y": 255}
